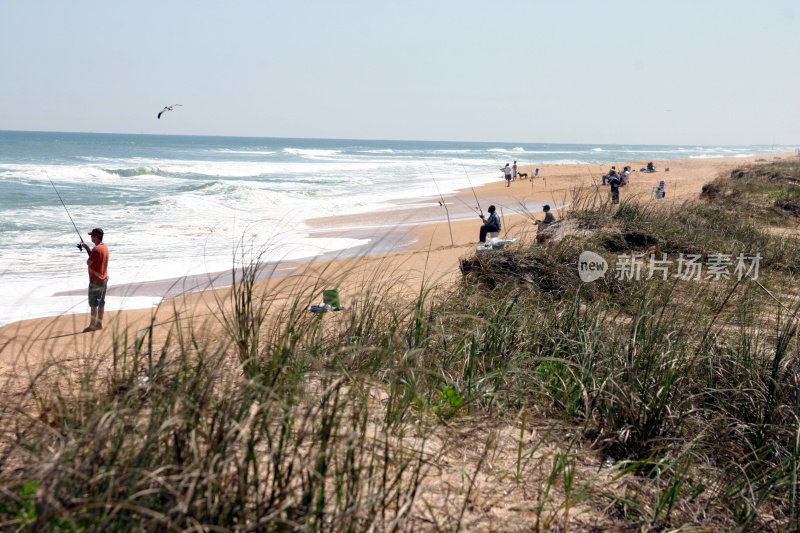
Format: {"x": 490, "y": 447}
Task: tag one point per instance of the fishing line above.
{"x": 443, "y": 204}
{"x": 480, "y": 210}
{"x": 80, "y": 246}
{"x": 468, "y": 206}
{"x": 530, "y": 172}
{"x": 594, "y": 182}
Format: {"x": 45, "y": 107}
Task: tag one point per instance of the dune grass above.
{"x": 639, "y": 404}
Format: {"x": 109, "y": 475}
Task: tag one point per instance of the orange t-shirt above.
{"x": 98, "y": 264}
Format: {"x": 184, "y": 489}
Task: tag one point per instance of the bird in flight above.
{"x": 166, "y": 108}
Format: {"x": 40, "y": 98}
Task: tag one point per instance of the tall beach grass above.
{"x": 521, "y": 398}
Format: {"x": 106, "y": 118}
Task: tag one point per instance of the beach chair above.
{"x": 494, "y": 234}
{"x": 658, "y": 192}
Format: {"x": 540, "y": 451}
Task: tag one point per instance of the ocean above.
{"x": 175, "y": 206}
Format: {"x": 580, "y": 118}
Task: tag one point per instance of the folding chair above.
{"x": 659, "y": 191}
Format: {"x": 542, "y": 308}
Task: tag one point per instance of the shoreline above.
{"x": 404, "y": 232}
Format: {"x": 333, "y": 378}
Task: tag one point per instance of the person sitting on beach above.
{"x": 548, "y": 218}
{"x": 650, "y": 167}
{"x": 626, "y": 172}
{"x": 507, "y": 172}
{"x": 611, "y": 173}
{"x": 490, "y": 224}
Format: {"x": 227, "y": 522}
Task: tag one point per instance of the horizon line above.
{"x": 773, "y": 144}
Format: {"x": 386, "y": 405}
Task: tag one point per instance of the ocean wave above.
{"x": 247, "y": 152}
{"x": 223, "y": 197}
{"x": 310, "y": 152}
{"x": 540, "y": 152}
{"x": 202, "y": 186}
{"x": 515, "y": 150}
{"x": 133, "y": 172}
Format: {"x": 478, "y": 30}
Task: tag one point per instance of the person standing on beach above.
{"x": 489, "y": 224}
{"x": 98, "y": 278}
{"x": 514, "y": 171}
{"x": 507, "y": 171}
{"x": 614, "y": 182}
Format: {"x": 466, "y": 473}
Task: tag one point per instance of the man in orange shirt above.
{"x": 98, "y": 278}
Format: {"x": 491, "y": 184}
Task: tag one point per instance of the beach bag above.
{"x": 331, "y": 297}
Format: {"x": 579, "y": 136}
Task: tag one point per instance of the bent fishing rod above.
{"x": 480, "y": 210}
{"x": 81, "y": 245}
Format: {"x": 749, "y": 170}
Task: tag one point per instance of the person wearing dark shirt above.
{"x": 548, "y": 218}
{"x": 490, "y": 224}
{"x": 614, "y": 182}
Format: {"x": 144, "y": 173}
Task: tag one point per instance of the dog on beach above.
{"x": 522, "y": 175}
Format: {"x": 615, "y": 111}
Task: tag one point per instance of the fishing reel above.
{"x": 80, "y": 246}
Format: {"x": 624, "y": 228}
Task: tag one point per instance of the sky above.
{"x": 700, "y": 72}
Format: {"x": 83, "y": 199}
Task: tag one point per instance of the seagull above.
{"x": 166, "y": 108}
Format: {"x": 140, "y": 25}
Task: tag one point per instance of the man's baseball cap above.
{"x": 96, "y": 231}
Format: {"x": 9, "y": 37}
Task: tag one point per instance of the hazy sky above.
{"x": 639, "y": 72}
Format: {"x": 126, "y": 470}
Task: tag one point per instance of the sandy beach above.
{"x": 409, "y": 246}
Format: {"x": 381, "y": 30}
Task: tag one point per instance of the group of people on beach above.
{"x": 616, "y": 180}
{"x": 511, "y": 173}
{"x": 491, "y": 224}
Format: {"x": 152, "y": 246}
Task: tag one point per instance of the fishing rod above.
{"x": 81, "y": 245}
{"x": 471, "y": 187}
{"x": 530, "y": 173}
{"x": 468, "y": 206}
{"x": 443, "y": 204}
